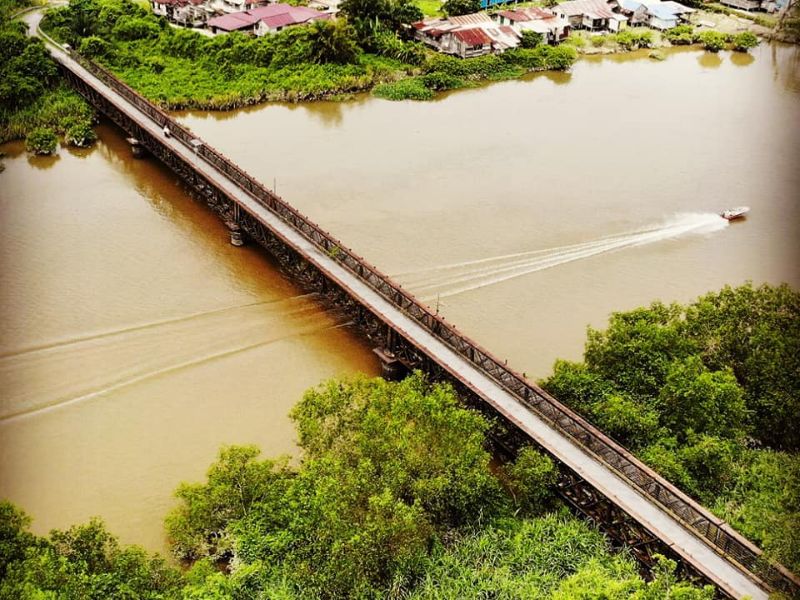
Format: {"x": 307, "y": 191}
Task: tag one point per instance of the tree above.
{"x": 84, "y": 561}
{"x": 530, "y": 39}
{"x": 387, "y": 470}
{"x": 454, "y": 8}
{"x": 333, "y": 42}
{"x": 755, "y": 332}
{"x": 696, "y": 399}
{"x": 236, "y": 482}
{"x": 530, "y": 479}
{"x": 392, "y": 14}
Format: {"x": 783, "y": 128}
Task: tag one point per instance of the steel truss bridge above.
{"x": 599, "y": 479}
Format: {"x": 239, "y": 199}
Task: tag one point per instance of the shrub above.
{"x": 80, "y": 134}
{"x": 41, "y": 141}
{"x": 94, "y": 47}
{"x": 742, "y": 42}
{"x": 713, "y": 41}
{"x": 598, "y": 40}
{"x": 530, "y": 39}
{"x": 681, "y": 35}
{"x": 135, "y": 29}
{"x": 413, "y": 88}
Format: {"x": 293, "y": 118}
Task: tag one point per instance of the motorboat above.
{"x": 735, "y": 213}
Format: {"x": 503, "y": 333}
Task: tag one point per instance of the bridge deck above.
{"x": 660, "y": 522}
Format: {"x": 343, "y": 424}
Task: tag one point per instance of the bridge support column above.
{"x": 237, "y": 235}
{"x": 391, "y": 366}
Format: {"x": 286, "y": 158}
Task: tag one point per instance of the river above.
{"x": 136, "y": 340}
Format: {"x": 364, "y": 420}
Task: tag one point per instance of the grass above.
{"x": 430, "y": 8}
{"x": 56, "y": 109}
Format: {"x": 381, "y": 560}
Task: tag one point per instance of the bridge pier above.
{"x": 392, "y": 367}
{"x": 237, "y": 235}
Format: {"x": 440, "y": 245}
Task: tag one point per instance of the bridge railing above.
{"x": 695, "y": 517}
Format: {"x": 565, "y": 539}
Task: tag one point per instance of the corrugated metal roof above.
{"x": 473, "y": 37}
{"x": 273, "y": 15}
{"x": 473, "y": 19}
{"x": 599, "y": 9}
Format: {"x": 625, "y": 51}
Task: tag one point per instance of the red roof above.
{"x": 473, "y": 37}
{"x": 273, "y": 16}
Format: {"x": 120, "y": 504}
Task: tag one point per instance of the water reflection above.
{"x": 710, "y": 60}
{"x": 43, "y": 163}
{"x": 742, "y": 59}
{"x": 786, "y": 65}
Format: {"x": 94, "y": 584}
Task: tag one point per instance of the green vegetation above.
{"x": 82, "y": 562}
{"x": 394, "y": 497}
{"x": 430, "y": 8}
{"x": 442, "y": 72}
{"x": 454, "y": 8}
{"x": 713, "y": 41}
{"x": 708, "y": 394}
{"x": 41, "y": 140}
{"x": 34, "y": 103}
{"x": 181, "y": 68}
{"x": 742, "y": 42}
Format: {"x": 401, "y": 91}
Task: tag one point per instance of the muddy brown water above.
{"x": 136, "y": 340}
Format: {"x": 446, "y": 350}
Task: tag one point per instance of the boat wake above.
{"x": 457, "y": 278}
{"x": 66, "y": 372}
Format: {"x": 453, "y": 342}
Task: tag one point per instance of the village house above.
{"x": 466, "y": 35}
{"x": 552, "y": 28}
{"x": 189, "y": 13}
{"x": 745, "y": 4}
{"x": 594, "y": 15}
{"x": 265, "y": 20}
{"x": 658, "y": 15}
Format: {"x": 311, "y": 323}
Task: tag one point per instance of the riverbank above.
{"x": 35, "y": 103}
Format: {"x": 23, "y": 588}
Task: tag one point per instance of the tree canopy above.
{"x": 693, "y": 389}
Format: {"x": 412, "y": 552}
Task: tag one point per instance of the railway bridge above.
{"x": 599, "y": 479}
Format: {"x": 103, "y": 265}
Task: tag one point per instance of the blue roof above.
{"x": 666, "y": 13}
{"x": 631, "y": 5}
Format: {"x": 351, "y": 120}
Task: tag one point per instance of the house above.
{"x": 466, "y": 35}
{"x": 594, "y": 15}
{"x": 466, "y": 43}
{"x": 658, "y": 15}
{"x": 233, "y": 6}
{"x": 264, "y": 20}
{"x": 189, "y": 13}
{"x": 744, "y": 4}
{"x": 553, "y": 29}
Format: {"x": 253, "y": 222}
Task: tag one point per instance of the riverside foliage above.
{"x": 708, "y": 394}
{"x": 33, "y": 100}
{"x": 181, "y": 68}
{"x": 393, "y": 498}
